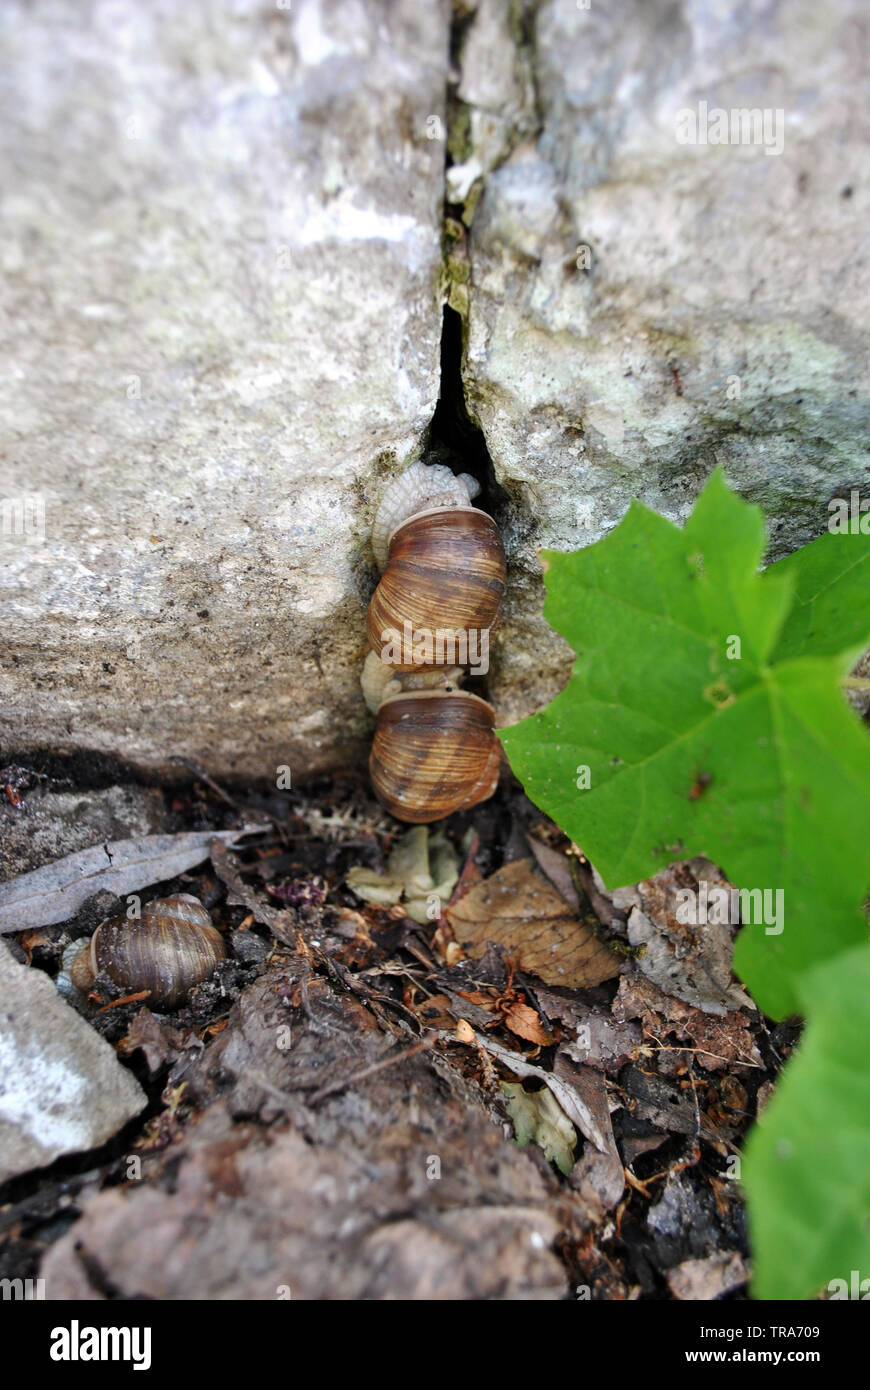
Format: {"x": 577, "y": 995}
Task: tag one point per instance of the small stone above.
{"x": 62, "y": 1089}
{"x": 50, "y": 825}
{"x": 248, "y": 947}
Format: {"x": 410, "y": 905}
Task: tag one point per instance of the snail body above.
{"x": 379, "y": 681}
{"x": 434, "y": 753}
{"x": 168, "y": 949}
{"x": 421, "y": 487}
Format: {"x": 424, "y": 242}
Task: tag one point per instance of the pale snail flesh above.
{"x": 172, "y": 946}
{"x": 421, "y": 487}
{"x": 379, "y": 682}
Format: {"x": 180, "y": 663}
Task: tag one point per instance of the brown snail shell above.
{"x": 445, "y": 572}
{"x": 434, "y": 753}
{"x": 167, "y": 950}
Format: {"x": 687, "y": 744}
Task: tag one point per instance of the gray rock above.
{"x": 704, "y": 1280}
{"x": 62, "y": 1089}
{"x": 223, "y": 279}
{"x": 724, "y": 314}
{"x": 220, "y": 330}
{"x": 677, "y": 1209}
{"x": 249, "y": 948}
{"x": 51, "y": 825}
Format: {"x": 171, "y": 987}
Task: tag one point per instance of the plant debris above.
{"x": 55, "y": 892}
{"x": 422, "y": 870}
{"x": 539, "y": 1119}
{"x": 378, "y": 1034}
{"x": 689, "y": 960}
{"x": 518, "y": 909}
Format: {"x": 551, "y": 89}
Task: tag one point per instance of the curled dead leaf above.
{"x": 520, "y": 910}
{"x": 464, "y": 1032}
{"x": 526, "y": 1023}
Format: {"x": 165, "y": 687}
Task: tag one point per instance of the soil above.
{"x": 327, "y": 1112}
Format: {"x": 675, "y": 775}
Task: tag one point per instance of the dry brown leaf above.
{"x": 435, "y": 1012}
{"x": 160, "y": 1043}
{"x": 526, "y": 1023}
{"x": 30, "y": 940}
{"x": 556, "y": 866}
{"x": 477, "y": 996}
{"x": 470, "y": 872}
{"x": 520, "y": 910}
{"x": 718, "y": 1041}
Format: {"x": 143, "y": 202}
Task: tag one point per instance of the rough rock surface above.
{"x": 51, "y": 825}
{"x": 720, "y": 311}
{"x": 220, "y": 322}
{"x": 62, "y": 1089}
{"x": 219, "y": 333}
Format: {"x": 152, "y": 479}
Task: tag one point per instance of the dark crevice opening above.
{"x": 455, "y": 437}
{"x": 457, "y": 440}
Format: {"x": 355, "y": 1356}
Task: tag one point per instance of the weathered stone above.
{"x": 723, "y": 316}
{"x": 51, "y": 825}
{"x": 221, "y": 318}
{"x": 62, "y": 1089}
{"x": 220, "y": 323}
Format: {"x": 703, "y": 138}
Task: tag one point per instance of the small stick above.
{"x": 703, "y": 1052}
{"x": 203, "y": 776}
{"x": 375, "y": 1067}
{"x": 126, "y": 999}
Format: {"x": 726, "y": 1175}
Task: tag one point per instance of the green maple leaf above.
{"x": 705, "y": 703}
{"x": 807, "y": 1161}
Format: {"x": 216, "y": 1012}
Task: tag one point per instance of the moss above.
{"x": 471, "y": 202}
{"x": 458, "y": 297}
{"x": 459, "y": 145}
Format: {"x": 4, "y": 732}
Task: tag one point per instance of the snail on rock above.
{"x": 434, "y": 753}
{"x": 168, "y": 949}
{"x": 443, "y": 569}
{"x": 439, "y": 598}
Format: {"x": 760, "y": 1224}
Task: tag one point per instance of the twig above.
{"x": 729, "y": 1061}
{"x": 203, "y": 776}
{"x": 697, "y": 1107}
{"x": 125, "y": 999}
{"x": 365, "y": 1072}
